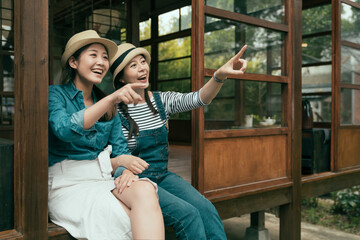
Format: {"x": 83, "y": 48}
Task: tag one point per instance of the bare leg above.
{"x": 145, "y": 212}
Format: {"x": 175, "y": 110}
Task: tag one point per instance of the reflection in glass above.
{"x": 321, "y": 107}
{"x": 176, "y": 48}
{"x": 317, "y": 19}
{"x": 316, "y": 79}
{"x": 350, "y": 65}
{"x": 316, "y": 49}
{"x": 107, "y": 17}
{"x": 350, "y": 23}
{"x": 270, "y": 10}
{"x": 264, "y": 46}
{"x": 7, "y": 110}
{"x": 185, "y": 14}
{"x": 239, "y": 99}
{"x": 174, "y": 69}
{"x": 169, "y": 22}
{"x": 350, "y": 107}
{"x": 145, "y": 29}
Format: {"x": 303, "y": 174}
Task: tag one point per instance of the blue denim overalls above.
{"x": 183, "y": 207}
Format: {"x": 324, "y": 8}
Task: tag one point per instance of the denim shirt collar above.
{"x": 72, "y": 91}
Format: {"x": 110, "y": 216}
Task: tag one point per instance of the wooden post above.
{"x": 31, "y": 117}
{"x": 290, "y": 214}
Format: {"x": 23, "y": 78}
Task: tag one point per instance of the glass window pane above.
{"x": 316, "y": 49}
{"x": 317, "y": 19}
{"x": 321, "y": 107}
{"x": 185, "y": 17}
{"x": 271, "y": 10}
{"x": 239, "y": 100}
{"x": 145, "y": 30}
{"x": 7, "y": 110}
{"x": 264, "y": 49}
{"x": 350, "y": 23}
{"x": 169, "y": 22}
{"x": 107, "y": 17}
{"x": 176, "y": 48}
{"x": 176, "y": 86}
{"x": 350, "y": 107}
{"x": 316, "y": 79}
{"x": 350, "y": 65}
{"x": 174, "y": 69}
{"x": 7, "y": 72}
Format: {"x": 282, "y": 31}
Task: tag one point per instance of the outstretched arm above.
{"x": 125, "y": 94}
{"x": 235, "y": 66}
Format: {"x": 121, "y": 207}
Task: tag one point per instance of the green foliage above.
{"x": 310, "y": 202}
{"x": 347, "y": 201}
{"x": 319, "y": 211}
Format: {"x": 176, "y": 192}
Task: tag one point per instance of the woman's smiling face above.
{"x": 136, "y": 71}
{"x": 92, "y": 65}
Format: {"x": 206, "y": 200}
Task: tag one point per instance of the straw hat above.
{"x": 84, "y": 38}
{"x": 123, "y": 56}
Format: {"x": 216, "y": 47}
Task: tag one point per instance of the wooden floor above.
{"x": 180, "y": 161}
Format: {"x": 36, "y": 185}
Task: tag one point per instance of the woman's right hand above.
{"x": 127, "y": 93}
{"x": 132, "y": 163}
{"x": 125, "y": 180}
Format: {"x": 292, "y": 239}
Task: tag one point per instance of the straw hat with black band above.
{"x": 84, "y": 38}
{"x": 125, "y": 53}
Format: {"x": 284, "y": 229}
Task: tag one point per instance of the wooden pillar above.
{"x": 197, "y": 81}
{"x": 133, "y": 19}
{"x": 31, "y": 117}
{"x": 290, "y": 214}
{"x": 257, "y": 230}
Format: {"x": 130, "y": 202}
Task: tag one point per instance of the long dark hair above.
{"x": 134, "y": 128}
{"x": 69, "y": 74}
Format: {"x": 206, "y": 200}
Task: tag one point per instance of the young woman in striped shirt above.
{"x": 145, "y": 127}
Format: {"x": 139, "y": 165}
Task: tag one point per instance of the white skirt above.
{"x": 80, "y": 199}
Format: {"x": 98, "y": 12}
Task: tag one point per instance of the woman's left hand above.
{"x": 125, "y": 180}
{"x": 235, "y": 66}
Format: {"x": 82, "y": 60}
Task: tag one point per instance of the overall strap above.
{"x": 159, "y": 105}
{"x": 124, "y": 122}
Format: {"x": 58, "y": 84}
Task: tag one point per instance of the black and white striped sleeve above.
{"x": 175, "y": 102}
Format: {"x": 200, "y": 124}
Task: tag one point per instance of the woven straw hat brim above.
{"x": 69, "y": 51}
{"x": 135, "y": 52}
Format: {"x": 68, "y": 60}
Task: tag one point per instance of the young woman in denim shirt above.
{"x": 86, "y": 143}
{"x": 145, "y": 127}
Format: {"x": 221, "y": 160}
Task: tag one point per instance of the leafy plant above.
{"x": 347, "y": 201}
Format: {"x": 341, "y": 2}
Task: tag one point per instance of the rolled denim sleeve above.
{"x": 118, "y": 172}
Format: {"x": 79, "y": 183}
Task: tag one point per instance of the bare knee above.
{"x": 144, "y": 192}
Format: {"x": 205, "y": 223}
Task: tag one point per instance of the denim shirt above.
{"x": 68, "y": 139}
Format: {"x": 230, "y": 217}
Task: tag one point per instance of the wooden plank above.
{"x": 197, "y": 81}
{"x": 239, "y": 161}
{"x": 335, "y": 80}
{"x": 319, "y": 184}
{"x": 351, "y": 3}
{"x": 31, "y": 111}
{"x": 252, "y": 77}
{"x": 233, "y": 133}
{"x": 348, "y": 143}
{"x": 219, "y": 13}
{"x": 253, "y": 203}
{"x": 11, "y": 235}
{"x": 290, "y": 214}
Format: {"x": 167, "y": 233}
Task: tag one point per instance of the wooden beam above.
{"x": 290, "y": 214}
{"x": 31, "y": 117}
{"x": 197, "y": 80}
